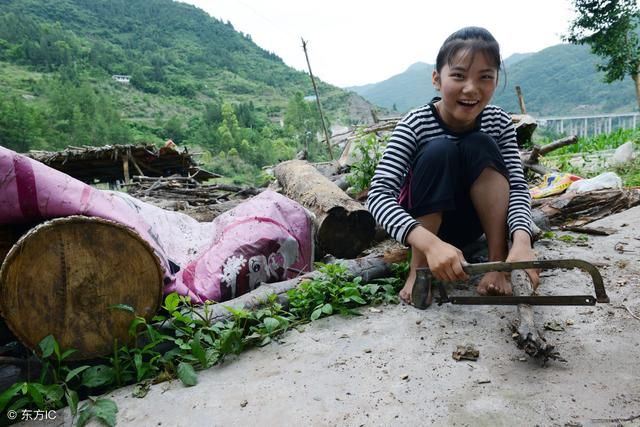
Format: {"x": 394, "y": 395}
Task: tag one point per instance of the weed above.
{"x": 368, "y": 149}
{"x": 184, "y": 340}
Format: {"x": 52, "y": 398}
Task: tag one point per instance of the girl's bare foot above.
{"x": 405, "y": 292}
{"x": 495, "y": 283}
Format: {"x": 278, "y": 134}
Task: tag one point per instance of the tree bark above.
{"x": 344, "y": 228}
{"x": 526, "y": 334}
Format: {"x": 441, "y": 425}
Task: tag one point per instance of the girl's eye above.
{"x": 457, "y": 76}
{"x": 488, "y": 77}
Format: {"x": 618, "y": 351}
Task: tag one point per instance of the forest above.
{"x": 193, "y": 79}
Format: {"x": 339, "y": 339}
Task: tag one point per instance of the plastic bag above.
{"x": 553, "y": 183}
{"x": 600, "y": 182}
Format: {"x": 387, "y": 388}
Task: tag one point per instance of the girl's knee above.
{"x": 436, "y": 152}
{"x": 479, "y": 142}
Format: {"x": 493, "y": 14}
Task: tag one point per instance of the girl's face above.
{"x": 466, "y": 87}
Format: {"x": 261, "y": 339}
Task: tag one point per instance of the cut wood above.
{"x": 344, "y": 228}
{"x": 63, "y": 278}
{"x": 527, "y": 335}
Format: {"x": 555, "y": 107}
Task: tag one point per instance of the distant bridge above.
{"x": 585, "y": 126}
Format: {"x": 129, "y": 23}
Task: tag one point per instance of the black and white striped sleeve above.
{"x": 387, "y": 181}
{"x": 519, "y": 214}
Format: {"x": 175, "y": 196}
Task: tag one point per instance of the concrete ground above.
{"x": 393, "y": 365}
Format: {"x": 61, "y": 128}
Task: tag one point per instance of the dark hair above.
{"x": 469, "y": 40}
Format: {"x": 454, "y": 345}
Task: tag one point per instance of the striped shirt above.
{"x": 419, "y": 127}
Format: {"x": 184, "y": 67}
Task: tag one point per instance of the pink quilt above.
{"x": 268, "y": 238}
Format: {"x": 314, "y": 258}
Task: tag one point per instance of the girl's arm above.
{"x": 387, "y": 181}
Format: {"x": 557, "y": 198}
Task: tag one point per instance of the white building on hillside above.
{"x": 120, "y": 78}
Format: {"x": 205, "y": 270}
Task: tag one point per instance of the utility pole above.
{"x": 523, "y": 109}
{"x": 315, "y": 89}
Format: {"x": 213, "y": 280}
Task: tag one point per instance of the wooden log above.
{"x": 575, "y": 209}
{"x": 526, "y": 334}
{"x": 541, "y": 150}
{"x": 344, "y": 228}
{"x": 63, "y": 277}
{"x": 369, "y": 268}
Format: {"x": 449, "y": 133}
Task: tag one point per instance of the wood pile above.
{"x": 113, "y": 163}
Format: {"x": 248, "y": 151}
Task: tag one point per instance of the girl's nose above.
{"x": 469, "y": 87}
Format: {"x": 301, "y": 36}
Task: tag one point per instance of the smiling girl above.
{"x": 451, "y": 171}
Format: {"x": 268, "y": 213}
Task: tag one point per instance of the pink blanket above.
{"x": 265, "y": 239}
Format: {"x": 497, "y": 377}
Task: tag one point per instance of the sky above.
{"x": 357, "y": 42}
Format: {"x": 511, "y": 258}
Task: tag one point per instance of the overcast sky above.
{"x": 356, "y": 42}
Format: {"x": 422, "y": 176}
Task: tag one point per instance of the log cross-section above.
{"x": 344, "y": 228}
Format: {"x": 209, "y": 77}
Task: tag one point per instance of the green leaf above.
{"x": 140, "y": 369}
{"x": 106, "y": 410}
{"x": 358, "y": 299}
{"x": 47, "y": 346}
{"x": 197, "y": 350}
{"x": 9, "y": 394}
{"x": 68, "y": 353}
{"x": 133, "y": 326}
{"x": 187, "y": 374}
{"x": 327, "y": 309}
{"x": 171, "y": 302}
{"x": 72, "y": 374}
{"x": 271, "y": 324}
{"x": 266, "y": 340}
{"x": 72, "y": 401}
{"x": 316, "y": 314}
{"x": 85, "y": 414}
{"x": 36, "y": 394}
{"x": 98, "y": 375}
{"x": 124, "y": 307}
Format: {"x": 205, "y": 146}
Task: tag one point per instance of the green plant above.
{"x": 184, "y": 339}
{"x": 368, "y": 150}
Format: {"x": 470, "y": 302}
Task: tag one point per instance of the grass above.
{"x": 590, "y": 157}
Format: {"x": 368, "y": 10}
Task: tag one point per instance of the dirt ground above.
{"x": 393, "y": 365}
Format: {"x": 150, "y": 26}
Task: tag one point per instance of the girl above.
{"x": 451, "y": 171}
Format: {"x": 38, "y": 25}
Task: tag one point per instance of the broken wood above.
{"x": 595, "y": 231}
{"x": 525, "y": 126}
{"x": 531, "y": 159}
{"x": 526, "y": 334}
{"x": 344, "y": 228}
{"x": 576, "y": 209}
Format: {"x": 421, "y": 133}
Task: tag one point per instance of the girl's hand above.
{"x": 445, "y": 261}
{"x": 521, "y": 250}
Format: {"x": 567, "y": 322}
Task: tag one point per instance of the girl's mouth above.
{"x": 467, "y": 103}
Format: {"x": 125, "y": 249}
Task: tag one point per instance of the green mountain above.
{"x": 193, "y": 79}
{"x": 559, "y": 80}
{"x": 401, "y": 92}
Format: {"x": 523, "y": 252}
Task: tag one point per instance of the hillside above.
{"x": 401, "y": 92}
{"x": 559, "y": 80}
{"x": 193, "y": 79}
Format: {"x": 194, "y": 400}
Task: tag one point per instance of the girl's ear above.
{"x": 435, "y": 80}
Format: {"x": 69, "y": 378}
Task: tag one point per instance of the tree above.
{"x": 301, "y": 121}
{"x": 610, "y": 28}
